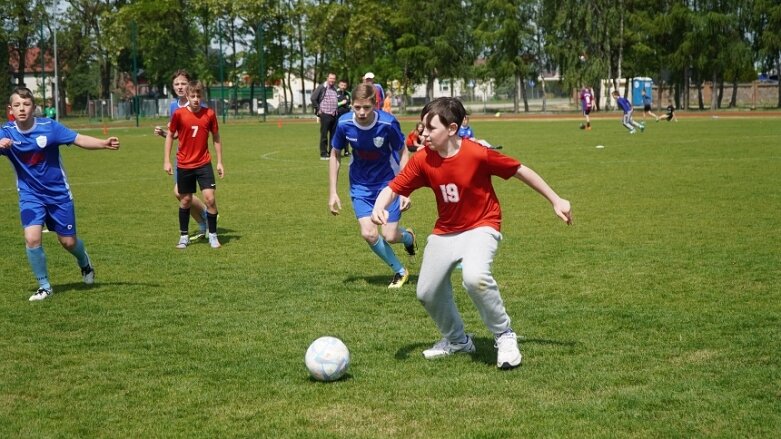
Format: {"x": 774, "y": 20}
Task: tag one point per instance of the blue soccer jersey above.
{"x": 624, "y": 104}
{"x": 35, "y": 156}
{"x": 376, "y": 150}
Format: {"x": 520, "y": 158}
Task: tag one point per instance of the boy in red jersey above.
{"x": 467, "y": 230}
{"x": 193, "y": 125}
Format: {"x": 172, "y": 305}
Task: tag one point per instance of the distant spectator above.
{"x": 324, "y": 101}
{"x": 379, "y": 93}
{"x": 415, "y": 140}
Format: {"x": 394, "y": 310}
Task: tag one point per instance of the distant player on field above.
{"x": 626, "y": 106}
{"x": 587, "y": 104}
{"x": 198, "y": 210}
{"x": 670, "y": 111}
{"x": 647, "y": 102}
{"x": 193, "y": 124}
{"x": 378, "y": 154}
{"x": 33, "y": 146}
{"x": 467, "y": 230}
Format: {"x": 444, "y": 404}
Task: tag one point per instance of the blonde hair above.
{"x": 195, "y": 86}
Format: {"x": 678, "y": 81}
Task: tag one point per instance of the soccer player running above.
{"x": 198, "y": 210}
{"x": 587, "y": 103}
{"x": 193, "y": 124}
{"x": 627, "y": 120}
{"x": 647, "y": 102}
{"x": 467, "y": 230}
{"x": 32, "y": 145}
{"x": 378, "y": 154}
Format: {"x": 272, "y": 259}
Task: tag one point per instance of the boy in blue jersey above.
{"x": 626, "y": 106}
{"x": 198, "y": 209}
{"x": 379, "y": 153}
{"x": 32, "y": 145}
{"x": 466, "y": 132}
{"x": 647, "y": 102}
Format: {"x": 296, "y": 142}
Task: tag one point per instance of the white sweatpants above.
{"x": 475, "y": 249}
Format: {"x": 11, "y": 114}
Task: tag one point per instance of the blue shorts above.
{"x": 58, "y": 217}
{"x": 363, "y": 204}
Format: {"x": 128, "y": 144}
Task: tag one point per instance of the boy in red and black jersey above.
{"x": 193, "y": 124}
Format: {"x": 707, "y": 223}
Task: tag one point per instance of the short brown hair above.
{"x": 365, "y": 92}
{"x": 195, "y": 86}
{"x": 22, "y": 92}
{"x": 449, "y": 110}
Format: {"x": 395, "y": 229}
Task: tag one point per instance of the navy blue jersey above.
{"x": 376, "y": 149}
{"x": 624, "y": 104}
{"x": 35, "y": 156}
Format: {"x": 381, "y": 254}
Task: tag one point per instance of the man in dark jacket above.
{"x": 324, "y": 101}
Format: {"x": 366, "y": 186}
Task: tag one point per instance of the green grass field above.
{"x": 658, "y": 314}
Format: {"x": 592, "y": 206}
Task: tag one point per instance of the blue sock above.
{"x": 37, "y": 259}
{"x": 385, "y": 252}
{"x": 406, "y": 237}
{"x": 80, "y": 253}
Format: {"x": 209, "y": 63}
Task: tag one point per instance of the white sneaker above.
{"x": 213, "y": 241}
{"x": 508, "y": 356}
{"x": 88, "y": 274}
{"x": 184, "y": 241}
{"x": 444, "y": 347}
{"x": 41, "y": 294}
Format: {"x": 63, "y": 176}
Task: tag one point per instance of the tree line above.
{"x": 679, "y": 43}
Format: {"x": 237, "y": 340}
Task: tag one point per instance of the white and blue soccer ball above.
{"x": 327, "y": 359}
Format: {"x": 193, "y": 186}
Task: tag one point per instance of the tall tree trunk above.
{"x": 733, "y": 100}
{"x": 778, "y": 69}
{"x": 700, "y": 103}
{"x": 715, "y": 92}
{"x": 302, "y": 66}
{"x": 544, "y": 97}
{"x": 524, "y": 95}
{"x": 516, "y": 93}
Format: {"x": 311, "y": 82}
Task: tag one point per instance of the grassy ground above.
{"x": 657, "y": 315}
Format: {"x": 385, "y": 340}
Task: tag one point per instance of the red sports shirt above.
{"x": 193, "y": 129}
{"x": 461, "y": 185}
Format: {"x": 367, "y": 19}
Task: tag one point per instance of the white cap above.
{"x": 368, "y": 75}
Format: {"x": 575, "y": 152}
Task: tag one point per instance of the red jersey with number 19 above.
{"x": 461, "y": 184}
{"x": 193, "y": 129}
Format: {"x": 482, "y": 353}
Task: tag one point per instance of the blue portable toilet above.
{"x": 638, "y": 85}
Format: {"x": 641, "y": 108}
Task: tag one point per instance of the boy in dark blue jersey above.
{"x": 32, "y": 146}
{"x": 624, "y": 104}
{"x": 379, "y": 153}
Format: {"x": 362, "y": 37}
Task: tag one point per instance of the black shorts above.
{"x": 646, "y": 108}
{"x": 186, "y": 178}
{"x": 587, "y": 111}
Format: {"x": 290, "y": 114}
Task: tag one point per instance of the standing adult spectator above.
{"x": 343, "y": 101}
{"x": 324, "y": 101}
{"x": 379, "y": 93}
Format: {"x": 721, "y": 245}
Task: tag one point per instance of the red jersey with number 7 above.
{"x": 461, "y": 184}
{"x": 193, "y": 129}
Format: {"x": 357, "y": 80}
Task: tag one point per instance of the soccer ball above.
{"x": 498, "y": 114}
{"x": 582, "y": 58}
{"x": 583, "y": 126}
{"x": 327, "y": 359}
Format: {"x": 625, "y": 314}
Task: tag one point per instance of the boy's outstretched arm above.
{"x": 89, "y": 142}
{"x": 380, "y": 211}
{"x": 533, "y": 180}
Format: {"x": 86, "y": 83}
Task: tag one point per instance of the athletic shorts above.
{"x": 587, "y": 111}
{"x": 646, "y": 108}
{"x": 186, "y": 179}
{"x": 363, "y": 204}
{"x": 58, "y": 217}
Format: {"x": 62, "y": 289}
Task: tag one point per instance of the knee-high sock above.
{"x": 385, "y": 252}
{"x": 406, "y": 237}
{"x": 37, "y": 259}
{"x": 211, "y": 219}
{"x": 80, "y": 253}
{"x": 184, "y": 221}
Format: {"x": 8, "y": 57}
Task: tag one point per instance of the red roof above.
{"x": 32, "y": 60}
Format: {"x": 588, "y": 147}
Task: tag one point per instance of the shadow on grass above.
{"x": 74, "y": 287}
{"x": 381, "y": 281}
{"x": 485, "y": 352}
